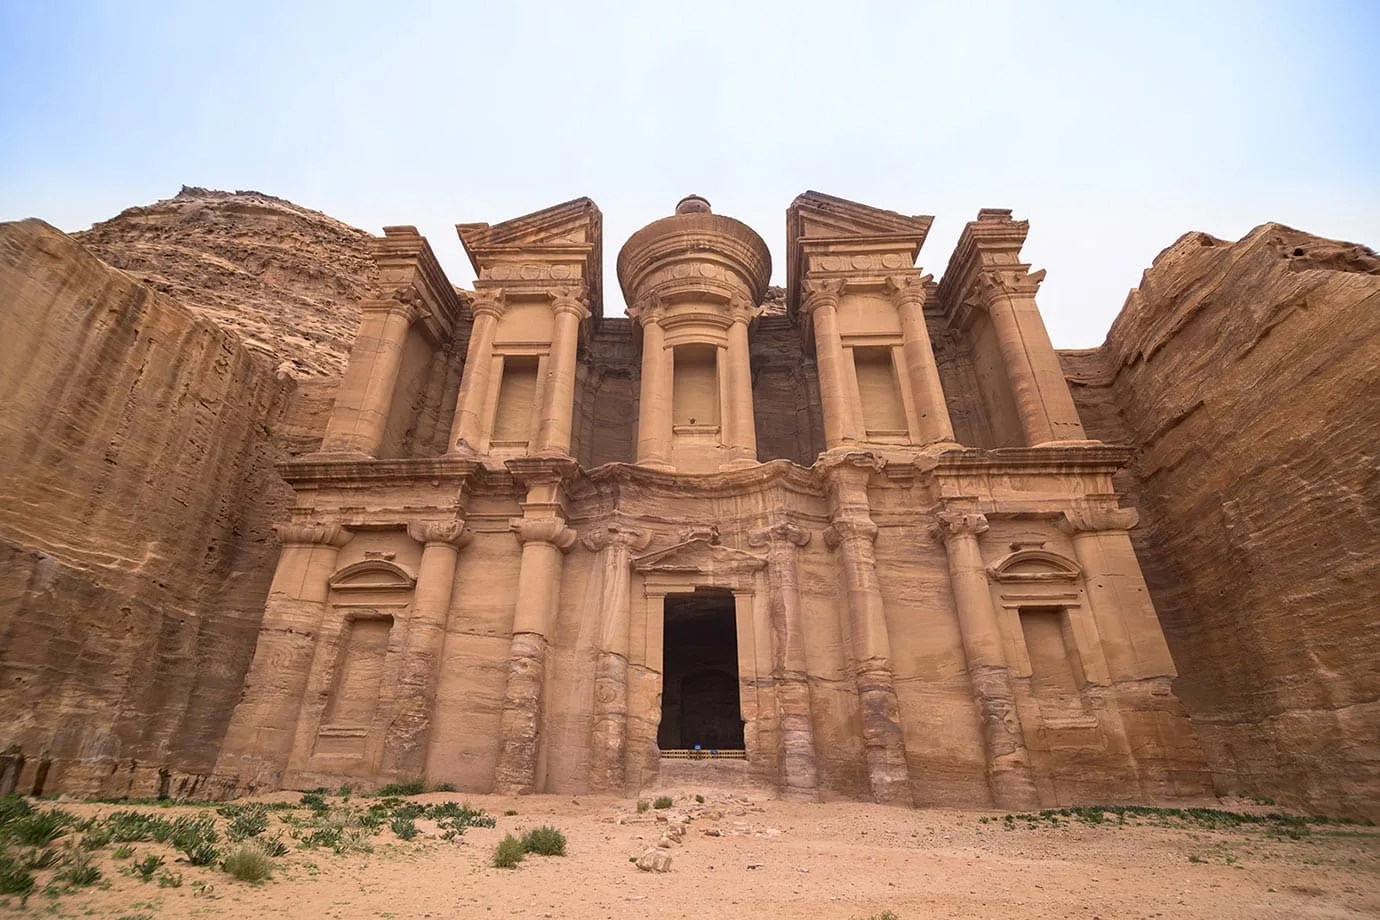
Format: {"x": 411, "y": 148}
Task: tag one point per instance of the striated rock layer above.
{"x": 288, "y": 280}
{"x": 135, "y": 506}
{"x": 1244, "y": 375}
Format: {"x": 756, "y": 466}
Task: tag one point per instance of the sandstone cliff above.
{"x": 286, "y": 279}
{"x": 1246, "y": 376}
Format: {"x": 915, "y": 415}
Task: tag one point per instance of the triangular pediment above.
{"x": 698, "y": 556}
{"x": 572, "y": 231}
{"x": 816, "y": 221}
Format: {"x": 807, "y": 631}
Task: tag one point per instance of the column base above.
{"x": 743, "y": 463}
{"x": 661, "y": 466}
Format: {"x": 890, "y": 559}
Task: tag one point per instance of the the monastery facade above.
{"x": 865, "y": 541}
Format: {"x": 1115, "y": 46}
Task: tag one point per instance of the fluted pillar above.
{"x": 654, "y": 401}
{"x": 615, "y": 544}
{"x": 544, "y": 538}
{"x": 908, "y": 294}
{"x": 741, "y": 424}
{"x": 851, "y": 533}
{"x": 842, "y": 421}
{"x": 1008, "y": 761}
{"x": 783, "y": 540}
{"x": 1041, "y": 393}
{"x": 558, "y": 408}
{"x": 259, "y": 740}
{"x": 468, "y": 429}
{"x": 362, "y": 404}
{"x": 408, "y": 733}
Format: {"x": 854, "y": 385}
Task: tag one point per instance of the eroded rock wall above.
{"x": 1245, "y": 375}
{"x": 137, "y": 448}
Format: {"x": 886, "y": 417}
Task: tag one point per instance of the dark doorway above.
{"x": 699, "y": 698}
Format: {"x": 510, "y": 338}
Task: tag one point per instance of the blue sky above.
{"x": 1112, "y": 127}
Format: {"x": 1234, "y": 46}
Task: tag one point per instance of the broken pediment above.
{"x": 698, "y": 556}
{"x": 557, "y": 246}
{"x": 1034, "y": 565}
{"x": 834, "y": 236}
{"x": 373, "y": 575}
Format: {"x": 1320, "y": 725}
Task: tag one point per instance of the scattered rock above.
{"x": 654, "y": 860}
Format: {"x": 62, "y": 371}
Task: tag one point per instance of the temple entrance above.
{"x": 699, "y": 700}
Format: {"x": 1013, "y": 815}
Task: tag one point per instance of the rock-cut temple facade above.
{"x": 853, "y": 545}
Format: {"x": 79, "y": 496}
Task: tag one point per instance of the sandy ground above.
{"x": 777, "y": 859}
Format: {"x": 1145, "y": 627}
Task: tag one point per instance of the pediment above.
{"x": 698, "y": 556}
{"x": 564, "y": 233}
{"x": 1034, "y": 565}
{"x": 373, "y": 575}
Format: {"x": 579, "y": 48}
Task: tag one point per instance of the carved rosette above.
{"x": 453, "y": 533}
{"x": 549, "y": 530}
{"x": 305, "y": 533}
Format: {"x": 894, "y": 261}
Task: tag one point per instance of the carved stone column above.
{"x": 405, "y": 746}
{"x": 740, "y": 425}
{"x": 1041, "y": 393}
{"x": 654, "y": 401}
{"x": 544, "y": 538}
{"x": 468, "y": 428}
{"x": 609, "y": 731}
{"x": 553, "y": 436}
{"x": 908, "y": 294}
{"x": 800, "y": 777}
{"x": 259, "y": 740}
{"x": 1008, "y": 761}
{"x": 842, "y": 423}
{"x": 851, "y": 532}
{"x": 360, "y": 416}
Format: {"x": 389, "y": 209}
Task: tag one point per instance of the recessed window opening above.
{"x": 695, "y": 390}
{"x": 517, "y": 398}
{"x": 356, "y": 692}
{"x": 882, "y": 410}
{"x": 1053, "y": 671}
{"x": 699, "y": 701}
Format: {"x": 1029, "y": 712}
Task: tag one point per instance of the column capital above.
{"x": 453, "y": 532}
{"x": 1095, "y": 519}
{"x": 647, "y": 310}
{"x": 820, "y": 292}
{"x": 783, "y": 532}
{"x": 303, "y": 533}
{"x": 742, "y": 310}
{"x": 849, "y": 528}
{"x": 401, "y": 300}
{"x": 990, "y": 284}
{"x": 569, "y": 300}
{"x": 550, "y": 530}
{"x": 908, "y": 288}
{"x": 490, "y": 302}
{"x": 615, "y": 534}
{"x": 949, "y": 524}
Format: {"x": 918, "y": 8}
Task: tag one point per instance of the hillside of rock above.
{"x": 1247, "y": 377}
{"x": 286, "y": 279}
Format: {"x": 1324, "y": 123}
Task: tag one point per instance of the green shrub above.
{"x": 509, "y": 853}
{"x": 510, "y": 813}
{"x": 315, "y": 801}
{"x": 544, "y": 841}
{"x": 402, "y": 789}
{"x": 124, "y": 851}
{"x": 168, "y": 879}
{"x": 405, "y": 827}
{"x": 134, "y": 826}
{"x": 272, "y": 846}
{"x": 249, "y": 863}
{"x": 642, "y": 806}
{"x": 39, "y": 828}
{"x": 41, "y": 859}
{"x": 145, "y": 867}
{"x": 201, "y": 854}
{"x": 699, "y": 799}
{"x": 15, "y": 877}
{"x": 662, "y": 802}
{"x": 248, "y": 823}
{"x": 453, "y": 814}
{"x": 11, "y": 807}
{"x": 79, "y": 872}
{"x": 96, "y": 837}
{"x": 443, "y": 787}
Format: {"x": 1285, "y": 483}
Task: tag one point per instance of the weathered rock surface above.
{"x": 288, "y": 280}
{"x": 1245, "y": 375}
{"x": 136, "y": 442}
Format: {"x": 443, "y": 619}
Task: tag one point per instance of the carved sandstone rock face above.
{"x": 1244, "y": 377}
{"x": 286, "y": 279}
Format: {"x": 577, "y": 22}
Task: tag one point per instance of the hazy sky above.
{"x": 1113, "y": 127}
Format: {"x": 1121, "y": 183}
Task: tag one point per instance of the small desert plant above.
{"x": 11, "y": 807}
{"x": 443, "y": 787}
{"x": 662, "y": 802}
{"x": 509, "y": 853}
{"x": 248, "y": 823}
{"x": 642, "y": 806}
{"x": 79, "y": 872}
{"x": 402, "y": 789}
{"x": 699, "y": 799}
{"x": 344, "y": 791}
{"x": 39, "y": 828}
{"x": 544, "y": 841}
{"x": 145, "y": 867}
{"x": 15, "y": 877}
{"x": 884, "y": 915}
{"x": 248, "y": 863}
{"x": 512, "y": 812}
{"x": 405, "y": 827}
{"x": 96, "y": 837}
{"x": 123, "y": 851}
{"x": 201, "y": 854}
{"x": 168, "y": 879}
{"x": 273, "y": 846}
